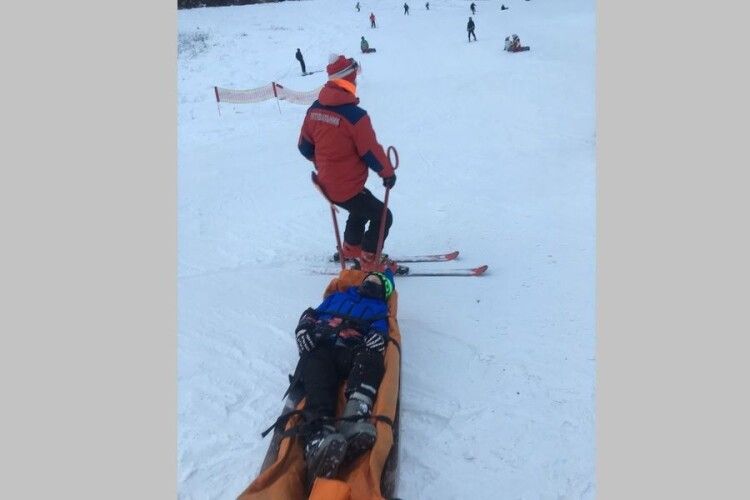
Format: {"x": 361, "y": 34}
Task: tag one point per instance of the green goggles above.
{"x": 387, "y": 285}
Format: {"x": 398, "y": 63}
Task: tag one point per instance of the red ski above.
{"x": 438, "y": 257}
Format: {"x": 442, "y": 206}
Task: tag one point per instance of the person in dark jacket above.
{"x": 357, "y": 6}
{"x": 337, "y": 136}
{"x": 473, "y": 8}
{"x": 406, "y": 9}
{"x": 343, "y": 338}
{"x": 470, "y": 29}
{"x": 503, "y": 7}
{"x": 427, "y": 5}
{"x": 301, "y": 60}
{"x": 365, "y": 46}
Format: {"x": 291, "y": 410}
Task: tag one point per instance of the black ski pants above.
{"x": 471, "y": 33}
{"x": 362, "y": 208}
{"x": 326, "y": 366}
{"x": 302, "y": 63}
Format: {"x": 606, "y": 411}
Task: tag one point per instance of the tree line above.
{"x": 191, "y": 4}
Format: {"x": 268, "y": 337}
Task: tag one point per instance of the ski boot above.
{"x": 352, "y": 253}
{"x": 324, "y": 452}
{"x": 360, "y": 434}
{"x": 367, "y": 264}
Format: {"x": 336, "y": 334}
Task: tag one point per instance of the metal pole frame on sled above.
{"x": 339, "y": 248}
{"x": 381, "y": 232}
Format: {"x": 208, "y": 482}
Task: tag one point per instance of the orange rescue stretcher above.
{"x": 371, "y": 476}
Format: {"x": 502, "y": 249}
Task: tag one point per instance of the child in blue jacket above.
{"x": 343, "y": 338}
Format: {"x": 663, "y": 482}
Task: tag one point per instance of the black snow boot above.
{"x": 360, "y": 434}
{"x": 324, "y": 451}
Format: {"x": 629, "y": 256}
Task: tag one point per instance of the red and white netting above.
{"x": 297, "y": 97}
{"x": 264, "y": 93}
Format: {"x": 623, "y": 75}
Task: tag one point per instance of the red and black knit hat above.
{"x": 341, "y": 67}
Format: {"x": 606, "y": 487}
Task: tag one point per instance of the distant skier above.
{"x": 427, "y": 5}
{"x": 406, "y": 9}
{"x": 513, "y": 44}
{"x": 337, "y": 136}
{"x": 343, "y": 339}
{"x": 301, "y": 60}
{"x": 357, "y": 6}
{"x": 372, "y": 20}
{"x": 470, "y": 29}
{"x": 473, "y": 8}
{"x": 365, "y": 46}
{"x": 503, "y": 7}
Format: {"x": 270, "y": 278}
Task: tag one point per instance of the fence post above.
{"x": 276, "y": 95}
{"x": 216, "y": 91}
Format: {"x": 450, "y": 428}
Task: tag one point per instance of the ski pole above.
{"x": 335, "y": 221}
{"x": 381, "y": 233}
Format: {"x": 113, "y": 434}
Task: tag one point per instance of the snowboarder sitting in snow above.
{"x": 503, "y": 7}
{"x": 513, "y": 44}
{"x": 337, "y": 136}
{"x": 365, "y": 46}
{"x": 343, "y": 338}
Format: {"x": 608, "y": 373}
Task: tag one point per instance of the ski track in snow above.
{"x": 497, "y": 161}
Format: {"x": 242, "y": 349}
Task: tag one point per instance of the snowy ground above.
{"x": 497, "y": 161}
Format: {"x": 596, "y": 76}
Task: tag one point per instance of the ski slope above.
{"x": 497, "y": 158}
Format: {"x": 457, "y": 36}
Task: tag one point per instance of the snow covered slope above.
{"x": 497, "y": 161}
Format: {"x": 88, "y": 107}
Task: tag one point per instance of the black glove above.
{"x": 389, "y": 182}
{"x": 305, "y": 341}
{"x": 375, "y": 341}
{"x": 305, "y": 330}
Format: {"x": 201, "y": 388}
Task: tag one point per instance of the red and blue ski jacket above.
{"x": 337, "y": 136}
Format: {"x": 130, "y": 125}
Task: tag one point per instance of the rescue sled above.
{"x": 371, "y": 476}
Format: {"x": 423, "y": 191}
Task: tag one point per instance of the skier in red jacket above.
{"x": 337, "y": 136}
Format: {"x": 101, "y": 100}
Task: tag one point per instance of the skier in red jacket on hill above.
{"x": 337, "y": 136}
